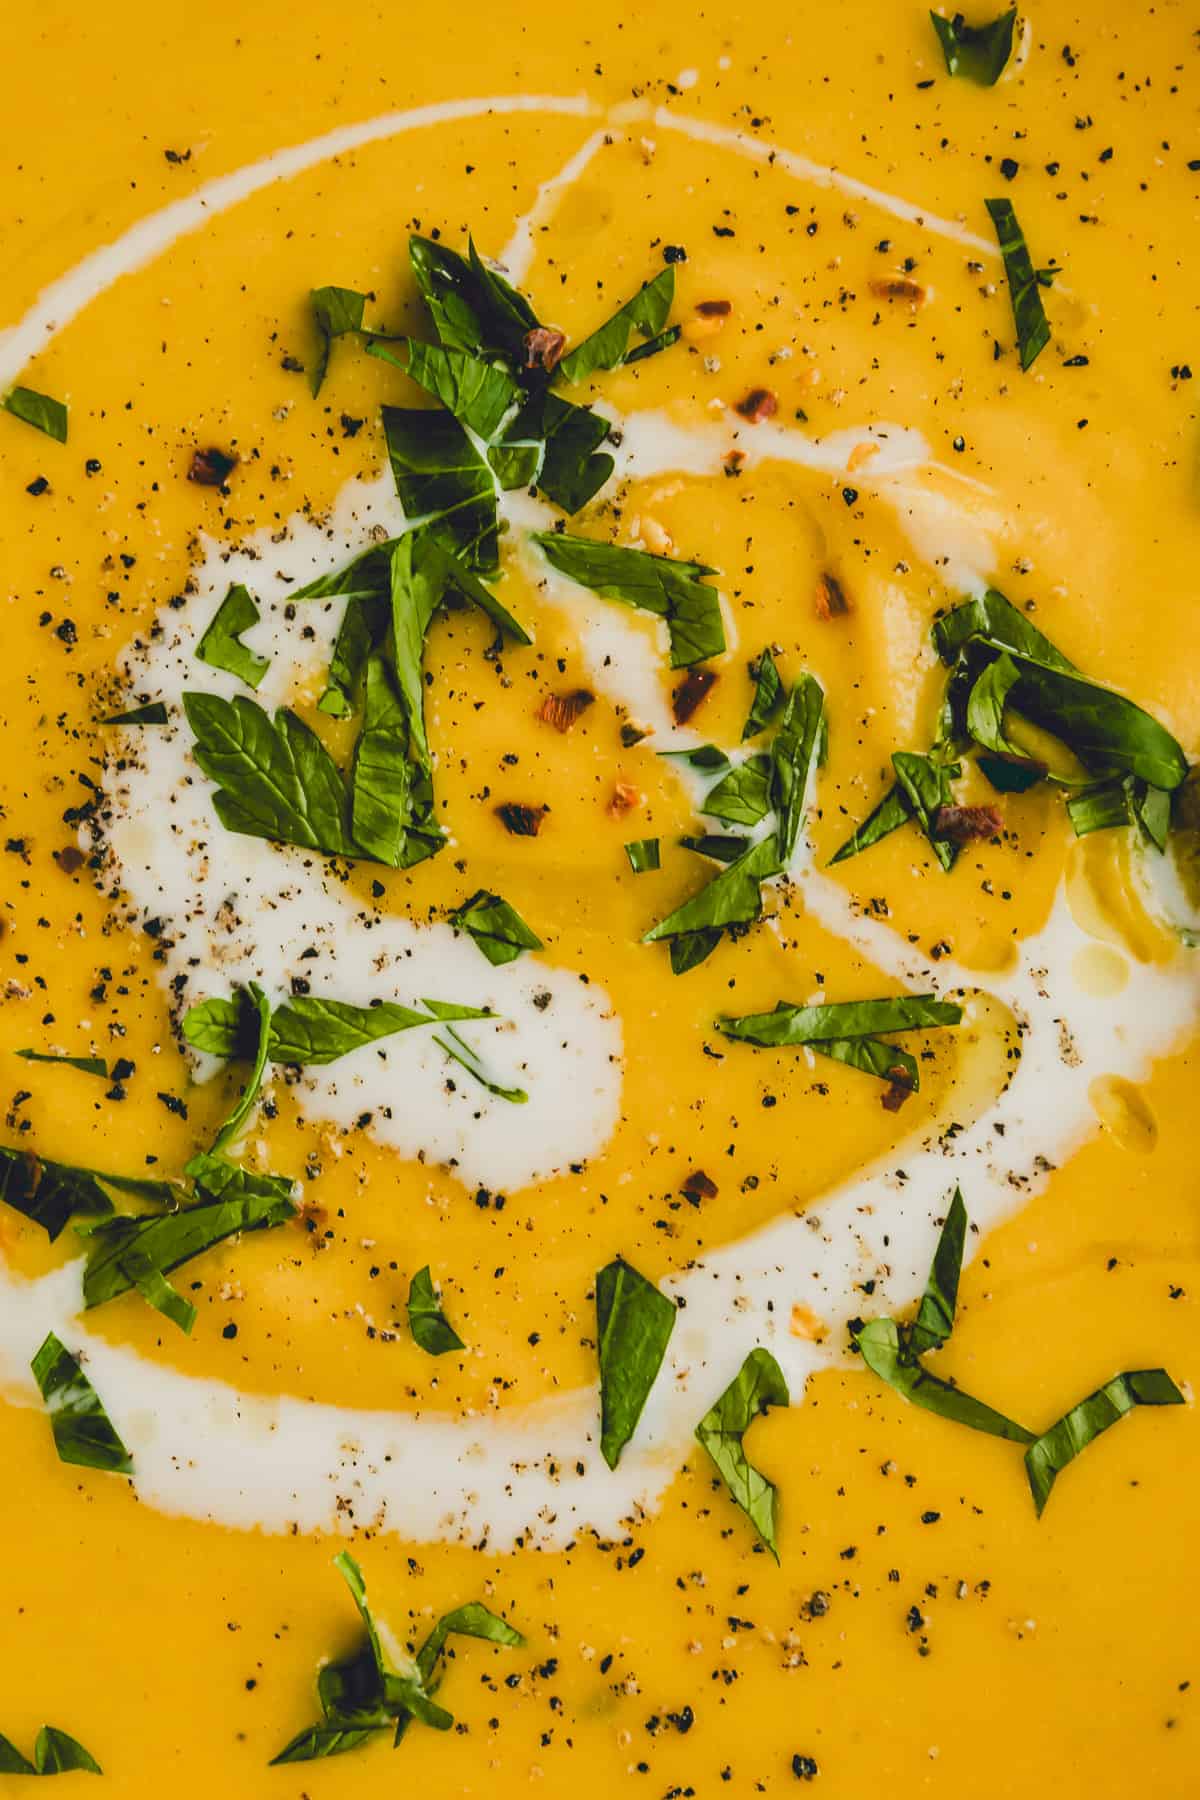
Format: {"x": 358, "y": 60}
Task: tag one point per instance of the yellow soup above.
{"x": 635, "y": 856}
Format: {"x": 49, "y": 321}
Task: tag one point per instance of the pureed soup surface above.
{"x": 842, "y": 436}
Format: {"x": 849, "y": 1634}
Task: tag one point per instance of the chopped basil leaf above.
{"x": 444, "y": 482}
{"x": 743, "y": 797}
{"x": 261, "y": 1008}
{"x": 87, "y": 1065}
{"x": 11, "y": 1760}
{"x": 365, "y": 1692}
{"x": 1009, "y": 777}
{"x": 847, "y": 1031}
{"x": 661, "y": 585}
{"x": 606, "y": 348}
{"x": 758, "y": 1385}
{"x": 307, "y": 1029}
{"x": 126, "y": 1252}
{"x": 634, "y": 1322}
{"x": 496, "y": 927}
{"x": 663, "y": 341}
{"x": 569, "y": 467}
{"x": 83, "y": 1431}
{"x": 51, "y": 1193}
{"x": 429, "y": 1325}
{"x": 276, "y": 778}
{"x": 1024, "y": 287}
{"x": 38, "y": 410}
{"x": 706, "y": 758}
{"x": 1048, "y": 1455}
{"x": 723, "y": 849}
{"x": 459, "y": 1051}
{"x": 336, "y": 311}
{"x": 768, "y": 697}
{"x": 892, "y": 811}
{"x": 993, "y": 617}
{"x": 986, "y": 702}
{"x": 731, "y": 898}
{"x": 480, "y": 394}
{"x": 977, "y": 52}
{"x": 220, "y": 647}
{"x": 1100, "y": 807}
{"x": 798, "y": 744}
{"x": 925, "y": 781}
{"x": 56, "y": 1753}
{"x": 154, "y": 713}
{"x": 935, "y": 1316}
{"x": 644, "y": 855}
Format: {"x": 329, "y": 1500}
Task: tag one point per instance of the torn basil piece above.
{"x": 39, "y": 410}
{"x": 308, "y": 1029}
{"x": 221, "y": 646}
{"x": 444, "y": 482}
{"x": 87, "y": 1065}
{"x": 768, "y": 696}
{"x": 743, "y": 796}
{"x": 462, "y": 1053}
{"x": 336, "y": 311}
{"x": 153, "y": 713}
{"x": 644, "y": 856}
{"x": 978, "y": 53}
{"x": 430, "y": 1327}
{"x": 275, "y": 777}
{"x": 496, "y": 927}
{"x": 1024, "y": 283}
{"x": 608, "y": 347}
{"x": 634, "y": 1322}
{"x": 798, "y": 746}
{"x": 50, "y": 1194}
{"x": 847, "y": 1031}
{"x": 480, "y": 394}
{"x": 1048, "y": 1455}
{"x": 734, "y": 897}
{"x": 83, "y": 1432}
{"x": 671, "y": 589}
{"x": 758, "y": 1385}
{"x": 939, "y": 1303}
{"x": 925, "y": 782}
{"x": 894, "y": 810}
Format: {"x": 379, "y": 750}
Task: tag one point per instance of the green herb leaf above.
{"x": 634, "y": 1322}
{"x": 277, "y": 780}
{"x": 1100, "y": 807}
{"x": 935, "y": 1318}
{"x": 670, "y": 589}
{"x": 473, "y": 308}
{"x": 706, "y": 759}
{"x": 38, "y": 410}
{"x": 83, "y": 1432}
{"x": 743, "y": 797}
{"x": 768, "y": 697}
{"x": 495, "y": 926}
{"x": 1025, "y": 290}
{"x": 606, "y": 348}
{"x": 644, "y": 856}
{"x": 11, "y": 1760}
{"x": 846, "y": 1030}
{"x": 429, "y": 1325}
{"x": 663, "y": 341}
{"x": 1108, "y": 733}
{"x": 986, "y": 702}
{"x": 326, "y": 1740}
{"x": 336, "y": 311}
{"x": 758, "y": 1385}
{"x": 126, "y": 1252}
{"x": 887, "y": 1354}
{"x": 57, "y": 1754}
{"x": 154, "y": 713}
{"x": 925, "y": 780}
{"x": 220, "y": 647}
{"x": 1048, "y": 1455}
{"x": 997, "y": 620}
{"x": 309, "y": 1030}
{"x": 733, "y": 897}
{"x": 261, "y": 1007}
{"x": 721, "y": 848}
{"x": 51, "y": 1193}
{"x": 893, "y": 810}
{"x": 557, "y": 445}
{"x": 979, "y": 53}
{"x": 480, "y": 394}
{"x": 798, "y": 746}
{"x": 87, "y": 1065}
{"x": 444, "y": 483}
{"x": 459, "y": 1051}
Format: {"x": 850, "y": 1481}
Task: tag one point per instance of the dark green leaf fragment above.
{"x": 480, "y": 394}
{"x": 757, "y": 1385}
{"x": 429, "y": 1325}
{"x": 798, "y": 745}
{"x": 634, "y": 1322}
{"x": 733, "y": 897}
{"x": 276, "y": 778}
{"x": 1048, "y": 1455}
{"x": 220, "y": 647}
{"x": 887, "y": 1354}
{"x": 336, "y": 311}
{"x": 459, "y": 1051}
{"x": 496, "y": 927}
{"x": 893, "y": 810}
{"x": 38, "y": 410}
{"x": 935, "y": 1317}
{"x": 720, "y": 847}
{"x": 444, "y": 484}
{"x": 743, "y": 796}
{"x": 83, "y": 1432}
{"x": 672, "y": 590}
{"x": 153, "y": 713}
{"x": 87, "y": 1065}
{"x": 52, "y": 1193}
{"x": 126, "y": 1252}
{"x": 979, "y": 53}
{"x": 644, "y": 855}
{"x": 1025, "y": 290}
{"x": 768, "y": 696}
{"x": 56, "y": 1753}
{"x": 847, "y": 1031}
{"x": 925, "y": 782}
{"x": 607, "y": 347}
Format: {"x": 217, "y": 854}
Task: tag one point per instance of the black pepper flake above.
{"x": 674, "y": 253}
{"x": 849, "y": 495}
{"x": 1008, "y": 168}
{"x": 37, "y": 486}
{"x": 805, "y": 1768}
{"x": 229, "y": 1331}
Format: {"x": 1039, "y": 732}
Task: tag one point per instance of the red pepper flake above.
{"x": 210, "y": 468}
{"x": 967, "y": 824}
{"x": 544, "y": 347}
{"x": 695, "y": 687}
{"x": 699, "y": 1186}
{"x": 898, "y": 287}
{"x": 831, "y": 599}
{"x": 714, "y": 309}
{"x": 759, "y": 404}
{"x": 562, "y": 710}
{"x": 900, "y": 1090}
{"x": 733, "y": 460}
{"x": 70, "y": 860}
{"x": 625, "y": 798}
{"x": 521, "y": 821}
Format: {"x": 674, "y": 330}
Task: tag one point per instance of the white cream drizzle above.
{"x": 205, "y": 1451}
